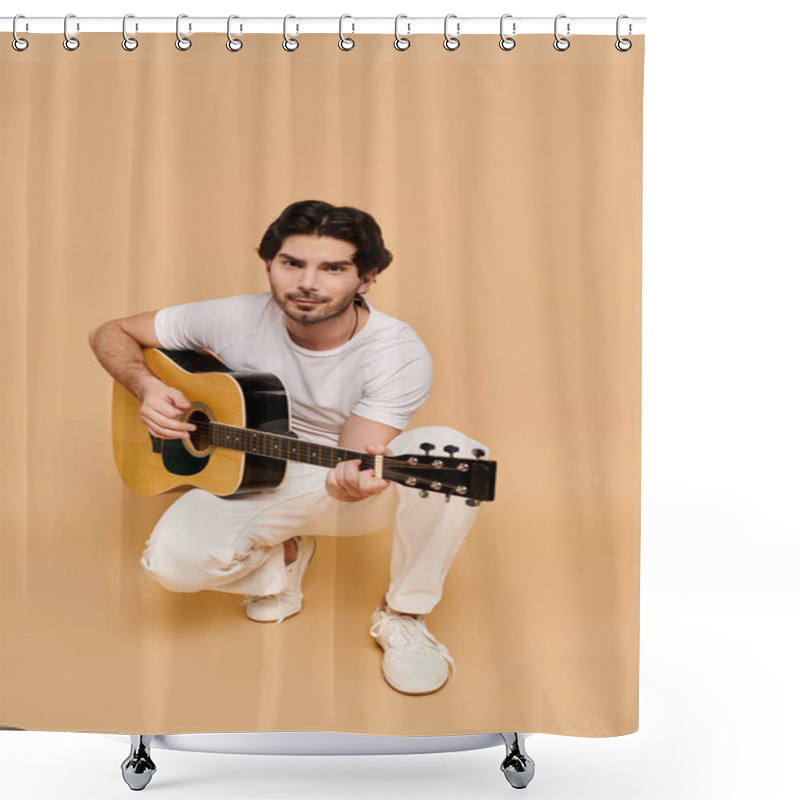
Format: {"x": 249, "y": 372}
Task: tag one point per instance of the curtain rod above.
{"x": 456, "y": 26}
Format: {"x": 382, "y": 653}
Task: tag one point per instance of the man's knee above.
{"x": 168, "y": 574}
{"x": 440, "y": 436}
{"x": 193, "y": 572}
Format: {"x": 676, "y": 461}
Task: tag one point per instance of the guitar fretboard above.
{"x": 285, "y": 447}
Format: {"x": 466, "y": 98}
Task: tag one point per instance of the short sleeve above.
{"x": 399, "y": 389}
{"x": 200, "y": 325}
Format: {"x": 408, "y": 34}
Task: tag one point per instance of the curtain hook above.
{"x": 506, "y": 42}
{"x": 289, "y": 43}
{"x": 401, "y": 43}
{"x": 451, "y": 42}
{"x": 234, "y": 45}
{"x": 128, "y": 42}
{"x": 18, "y": 43}
{"x": 70, "y": 42}
{"x": 345, "y": 42}
{"x": 623, "y": 45}
{"x": 560, "y": 43}
{"x": 181, "y": 42}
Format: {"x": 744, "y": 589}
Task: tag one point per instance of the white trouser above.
{"x": 235, "y": 544}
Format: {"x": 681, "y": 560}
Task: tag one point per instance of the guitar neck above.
{"x": 287, "y": 448}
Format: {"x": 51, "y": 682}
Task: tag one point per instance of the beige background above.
{"x": 508, "y": 186}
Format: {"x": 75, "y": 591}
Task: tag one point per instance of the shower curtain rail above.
{"x": 457, "y": 26}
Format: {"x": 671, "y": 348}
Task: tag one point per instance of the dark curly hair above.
{"x": 318, "y": 218}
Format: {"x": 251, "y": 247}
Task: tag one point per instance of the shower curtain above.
{"x": 485, "y": 206}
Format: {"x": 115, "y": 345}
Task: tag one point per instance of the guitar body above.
{"x": 255, "y": 400}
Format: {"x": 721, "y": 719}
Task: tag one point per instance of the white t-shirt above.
{"x": 384, "y": 373}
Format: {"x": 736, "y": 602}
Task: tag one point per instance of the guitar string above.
{"x": 329, "y": 461}
{"x": 203, "y": 426}
{"x": 387, "y": 473}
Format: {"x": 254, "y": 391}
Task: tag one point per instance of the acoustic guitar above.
{"x": 244, "y": 439}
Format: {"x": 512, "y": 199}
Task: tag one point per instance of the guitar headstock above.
{"x": 470, "y": 477}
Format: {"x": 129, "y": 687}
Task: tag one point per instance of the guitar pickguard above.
{"x": 176, "y": 458}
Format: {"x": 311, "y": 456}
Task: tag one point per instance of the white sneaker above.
{"x": 278, "y": 607}
{"x": 414, "y": 662}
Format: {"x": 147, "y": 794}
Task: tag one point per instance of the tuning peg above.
{"x": 478, "y": 453}
{"x": 472, "y": 502}
{"x": 451, "y": 448}
{"x": 427, "y": 447}
{"x": 423, "y": 493}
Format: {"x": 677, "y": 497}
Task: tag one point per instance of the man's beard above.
{"x": 313, "y": 316}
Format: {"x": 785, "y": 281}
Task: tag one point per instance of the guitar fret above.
{"x": 265, "y": 444}
{"x": 283, "y": 447}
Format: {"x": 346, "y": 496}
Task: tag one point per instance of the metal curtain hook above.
{"x": 289, "y": 43}
{"x": 234, "y": 45}
{"x": 451, "y": 42}
{"x": 506, "y": 42}
{"x": 401, "y": 43}
{"x": 623, "y": 45}
{"x": 18, "y": 43}
{"x": 128, "y": 42}
{"x": 181, "y": 42}
{"x": 70, "y": 42}
{"x": 560, "y": 43}
{"x": 345, "y": 43}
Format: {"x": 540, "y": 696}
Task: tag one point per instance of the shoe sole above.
{"x": 416, "y": 694}
{"x": 289, "y": 616}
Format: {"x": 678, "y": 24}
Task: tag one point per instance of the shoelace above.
{"x": 404, "y": 631}
{"x": 285, "y": 594}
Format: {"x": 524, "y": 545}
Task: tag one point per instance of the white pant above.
{"x": 235, "y": 544}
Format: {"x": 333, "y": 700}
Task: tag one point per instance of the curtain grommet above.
{"x": 345, "y": 42}
{"x": 70, "y": 42}
{"x": 623, "y": 45}
{"x": 290, "y": 44}
{"x": 182, "y": 42}
{"x": 234, "y": 45}
{"x": 506, "y": 42}
{"x": 400, "y": 42}
{"x": 129, "y": 43}
{"x": 17, "y": 42}
{"x": 451, "y": 42}
{"x": 561, "y": 44}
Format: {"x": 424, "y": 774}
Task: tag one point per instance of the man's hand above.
{"x": 162, "y": 408}
{"x": 348, "y": 483}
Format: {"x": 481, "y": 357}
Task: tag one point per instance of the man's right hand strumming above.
{"x": 118, "y": 346}
{"x": 162, "y": 409}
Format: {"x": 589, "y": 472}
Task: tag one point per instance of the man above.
{"x": 355, "y": 377}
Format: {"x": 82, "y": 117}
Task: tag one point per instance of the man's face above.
{"x": 315, "y": 268}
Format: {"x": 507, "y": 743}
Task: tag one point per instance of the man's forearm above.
{"x": 121, "y": 356}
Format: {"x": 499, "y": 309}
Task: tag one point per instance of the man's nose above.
{"x": 308, "y": 280}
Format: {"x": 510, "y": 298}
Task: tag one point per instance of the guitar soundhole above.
{"x": 199, "y": 437}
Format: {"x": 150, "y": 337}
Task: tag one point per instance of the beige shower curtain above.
{"x": 507, "y": 185}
